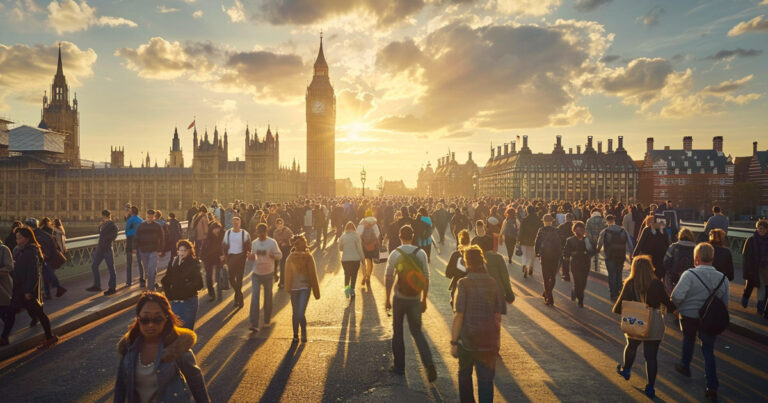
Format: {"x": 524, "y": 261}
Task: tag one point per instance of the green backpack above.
{"x": 410, "y": 277}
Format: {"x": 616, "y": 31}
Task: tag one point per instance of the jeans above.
{"x": 186, "y": 310}
{"x": 690, "y": 327}
{"x": 8, "y": 315}
{"x": 129, "y": 244}
{"x": 410, "y": 308}
{"x": 614, "y": 267}
{"x": 49, "y": 279}
{"x": 484, "y": 363}
{"x": 299, "y": 301}
{"x": 107, "y": 256}
{"x": 266, "y": 281}
{"x": 351, "y": 269}
{"x": 236, "y": 266}
{"x": 650, "y": 351}
{"x": 149, "y": 260}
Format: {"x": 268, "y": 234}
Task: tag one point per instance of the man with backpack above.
{"x": 548, "y": 247}
{"x": 617, "y": 244}
{"x": 701, "y": 297}
{"x": 409, "y": 263}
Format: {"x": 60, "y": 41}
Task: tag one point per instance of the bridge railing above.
{"x": 80, "y": 249}
{"x": 736, "y": 238}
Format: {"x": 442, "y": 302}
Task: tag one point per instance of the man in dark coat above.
{"x": 755, "y": 267}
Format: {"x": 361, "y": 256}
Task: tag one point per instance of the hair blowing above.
{"x": 171, "y": 319}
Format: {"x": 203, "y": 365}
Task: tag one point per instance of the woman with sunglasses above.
{"x": 182, "y": 281}
{"x": 156, "y": 359}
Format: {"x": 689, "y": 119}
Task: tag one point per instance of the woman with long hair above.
{"x": 156, "y": 358}
{"x": 300, "y": 278}
{"x": 370, "y": 236}
{"x": 456, "y": 269}
{"x": 182, "y": 281}
{"x": 27, "y": 281}
{"x": 60, "y": 235}
{"x": 642, "y": 285}
{"x": 352, "y": 255}
{"x": 199, "y": 227}
{"x": 508, "y": 233}
{"x": 723, "y": 258}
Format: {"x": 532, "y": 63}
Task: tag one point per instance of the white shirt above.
{"x": 235, "y": 240}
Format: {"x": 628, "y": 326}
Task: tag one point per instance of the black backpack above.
{"x": 551, "y": 244}
{"x": 683, "y": 260}
{"x": 713, "y": 315}
{"x": 615, "y": 244}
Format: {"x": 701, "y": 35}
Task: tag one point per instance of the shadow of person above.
{"x": 276, "y": 386}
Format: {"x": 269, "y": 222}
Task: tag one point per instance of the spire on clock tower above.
{"x": 321, "y": 67}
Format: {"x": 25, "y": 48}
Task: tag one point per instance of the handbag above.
{"x": 636, "y": 317}
{"x": 518, "y": 250}
{"x": 223, "y": 279}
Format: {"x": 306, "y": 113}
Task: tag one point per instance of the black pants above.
{"x": 236, "y": 265}
{"x": 428, "y": 250}
{"x": 509, "y": 243}
{"x": 579, "y": 276}
{"x": 549, "y": 272}
{"x": 566, "y": 268}
{"x": 212, "y": 269}
{"x": 351, "y": 268}
{"x": 35, "y": 310}
{"x": 321, "y": 234}
{"x": 650, "y": 350}
{"x": 8, "y": 315}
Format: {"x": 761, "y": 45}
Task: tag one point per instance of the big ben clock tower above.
{"x": 321, "y": 131}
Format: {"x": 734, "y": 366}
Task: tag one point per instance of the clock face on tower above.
{"x": 318, "y": 107}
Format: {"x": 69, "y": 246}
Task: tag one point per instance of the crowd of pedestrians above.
{"x": 276, "y": 243}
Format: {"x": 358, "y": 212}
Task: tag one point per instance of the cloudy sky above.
{"x": 413, "y": 78}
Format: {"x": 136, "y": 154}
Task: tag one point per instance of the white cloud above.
{"x": 160, "y": 59}
{"x": 198, "y": 14}
{"x": 69, "y": 16}
{"x": 28, "y": 70}
{"x": 757, "y": 24}
{"x": 236, "y": 13}
{"x": 527, "y": 7}
{"x": 162, "y": 9}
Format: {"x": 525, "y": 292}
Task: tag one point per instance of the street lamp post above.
{"x": 362, "y": 179}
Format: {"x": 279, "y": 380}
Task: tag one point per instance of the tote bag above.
{"x": 636, "y": 318}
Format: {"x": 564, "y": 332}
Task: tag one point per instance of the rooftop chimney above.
{"x": 687, "y": 143}
{"x": 498, "y": 151}
{"x": 610, "y": 145}
{"x": 570, "y": 150}
{"x": 589, "y": 142}
{"x": 666, "y": 148}
{"x": 470, "y": 155}
{"x": 717, "y": 143}
{"x": 559, "y": 141}
{"x": 453, "y": 156}
{"x": 492, "y": 152}
{"x": 754, "y": 148}
{"x": 506, "y": 149}
{"x": 578, "y": 149}
{"x": 599, "y": 147}
{"x": 525, "y": 141}
{"x": 514, "y": 147}
{"x": 649, "y": 144}
{"x": 621, "y": 143}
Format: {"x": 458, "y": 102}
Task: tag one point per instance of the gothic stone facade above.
{"x": 450, "y": 179}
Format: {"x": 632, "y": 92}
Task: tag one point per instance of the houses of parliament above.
{"x": 41, "y": 173}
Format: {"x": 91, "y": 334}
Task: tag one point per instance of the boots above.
{"x": 760, "y": 307}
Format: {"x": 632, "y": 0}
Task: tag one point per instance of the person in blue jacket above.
{"x": 131, "y": 224}
{"x": 423, "y": 231}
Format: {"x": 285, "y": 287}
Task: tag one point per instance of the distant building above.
{"x": 344, "y": 187}
{"x": 4, "y": 137}
{"x": 396, "y": 188}
{"x": 696, "y": 179}
{"x": 449, "y": 179}
{"x": 61, "y": 117}
{"x": 751, "y": 183}
{"x": 560, "y": 175}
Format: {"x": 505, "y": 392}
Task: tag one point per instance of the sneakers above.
{"x": 431, "y": 373}
{"x": 650, "y": 391}
{"x": 397, "y": 371}
{"x": 48, "y": 343}
{"x": 624, "y": 372}
{"x": 253, "y": 329}
{"x": 92, "y": 289}
{"x": 346, "y": 291}
{"x": 686, "y": 371}
{"x": 61, "y": 291}
{"x": 110, "y": 291}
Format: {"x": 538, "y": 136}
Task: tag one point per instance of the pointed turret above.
{"x": 59, "y": 88}
{"x": 215, "y": 136}
{"x": 176, "y": 143}
{"x": 321, "y": 66}
{"x": 269, "y": 135}
{"x": 59, "y": 68}
{"x": 194, "y": 137}
{"x": 247, "y": 136}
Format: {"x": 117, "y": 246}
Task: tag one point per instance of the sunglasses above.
{"x": 158, "y": 320}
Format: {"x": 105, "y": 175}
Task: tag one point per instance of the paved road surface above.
{"x": 548, "y": 353}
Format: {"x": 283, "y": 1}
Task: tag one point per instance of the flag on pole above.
{"x": 191, "y": 125}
